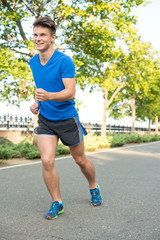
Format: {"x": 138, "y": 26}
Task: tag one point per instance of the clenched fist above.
{"x": 34, "y": 108}
{"x": 42, "y": 95}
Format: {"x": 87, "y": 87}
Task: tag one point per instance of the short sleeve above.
{"x": 67, "y": 68}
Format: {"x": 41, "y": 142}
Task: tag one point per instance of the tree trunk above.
{"x": 133, "y": 105}
{"x": 149, "y": 126}
{"x": 156, "y": 120}
{"x": 107, "y": 103}
{"x": 103, "y": 126}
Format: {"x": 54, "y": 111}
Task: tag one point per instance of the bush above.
{"x": 9, "y": 150}
{"x": 5, "y": 153}
{"x": 26, "y": 148}
{"x": 149, "y": 138}
{"x": 118, "y": 140}
{"x": 4, "y": 141}
{"x": 33, "y": 155}
{"x": 156, "y": 137}
{"x": 62, "y": 149}
{"x": 133, "y": 138}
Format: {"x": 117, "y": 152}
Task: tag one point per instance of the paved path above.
{"x": 130, "y": 182}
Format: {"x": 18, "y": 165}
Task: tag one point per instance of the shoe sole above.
{"x": 95, "y": 205}
{"x": 49, "y": 218}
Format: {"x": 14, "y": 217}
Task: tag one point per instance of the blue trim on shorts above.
{"x": 76, "y": 143}
{"x": 80, "y": 126}
{"x": 46, "y": 134}
{"x": 43, "y": 133}
{"x": 83, "y": 134}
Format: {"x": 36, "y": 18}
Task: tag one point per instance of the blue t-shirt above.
{"x": 49, "y": 77}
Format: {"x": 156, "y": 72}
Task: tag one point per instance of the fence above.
{"x": 15, "y": 122}
{"x": 10, "y": 122}
{"x": 115, "y": 128}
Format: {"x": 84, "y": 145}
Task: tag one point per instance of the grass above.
{"x": 27, "y": 150}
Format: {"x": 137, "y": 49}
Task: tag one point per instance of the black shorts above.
{"x": 70, "y": 131}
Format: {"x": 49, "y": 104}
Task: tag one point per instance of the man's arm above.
{"x": 67, "y": 94}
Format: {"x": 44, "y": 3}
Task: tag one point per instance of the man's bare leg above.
{"x": 84, "y": 163}
{"x": 47, "y": 145}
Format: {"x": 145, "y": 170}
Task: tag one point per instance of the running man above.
{"x": 54, "y": 76}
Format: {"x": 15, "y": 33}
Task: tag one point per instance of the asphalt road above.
{"x": 130, "y": 184}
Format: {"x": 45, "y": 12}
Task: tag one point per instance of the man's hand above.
{"x": 34, "y": 108}
{"x": 42, "y": 95}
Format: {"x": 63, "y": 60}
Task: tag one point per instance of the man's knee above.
{"x": 47, "y": 162}
{"x": 80, "y": 160}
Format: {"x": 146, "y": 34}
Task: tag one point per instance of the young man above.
{"x": 54, "y": 76}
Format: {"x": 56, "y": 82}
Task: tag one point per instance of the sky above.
{"x": 92, "y": 108}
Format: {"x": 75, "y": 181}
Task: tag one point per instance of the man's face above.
{"x": 42, "y": 38}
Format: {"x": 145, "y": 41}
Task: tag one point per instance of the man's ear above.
{"x": 53, "y": 37}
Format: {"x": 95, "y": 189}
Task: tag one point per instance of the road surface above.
{"x": 130, "y": 183}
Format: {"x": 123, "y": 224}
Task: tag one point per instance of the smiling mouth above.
{"x": 39, "y": 44}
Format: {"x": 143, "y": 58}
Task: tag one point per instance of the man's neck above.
{"x": 45, "y": 56}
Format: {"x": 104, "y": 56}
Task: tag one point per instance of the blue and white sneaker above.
{"x": 96, "y": 197}
{"x": 54, "y": 211}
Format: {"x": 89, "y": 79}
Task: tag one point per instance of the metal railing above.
{"x": 115, "y": 128}
{"x": 15, "y": 122}
{"x": 27, "y": 123}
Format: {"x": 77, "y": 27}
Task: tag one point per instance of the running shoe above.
{"x": 96, "y": 198}
{"x": 54, "y": 211}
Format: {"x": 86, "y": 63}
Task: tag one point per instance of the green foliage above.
{"x": 108, "y": 52}
{"x": 5, "y": 153}
{"x": 34, "y": 154}
{"x": 89, "y": 28}
{"x": 134, "y": 138}
{"x": 142, "y": 73}
{"x": 141, "y": 93}
{"x": 25, "y": 149}
{"x": 4, "y": 141}
{"x": 15, "y": 78}
{"x": 16, "y": 43}
{"x": 61, "y": 149}
{"x": 9, "y": 150}
{"x": 150, "y": 138}
{"x": 118, "y": 140}
{"x": 78, "y": 104}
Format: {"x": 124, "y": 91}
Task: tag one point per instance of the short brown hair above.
{"x": 46, "y": 22}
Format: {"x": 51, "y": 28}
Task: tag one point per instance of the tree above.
{"x": 150, "y": 109}
{"x": 142, "y": 86}
{"x": 16, "y": 42}
{"x": 16, "y": 78}
{"x": 91, "y": 29}
{"x": 96, "y": 42}
{"x": 142, "y": 82}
